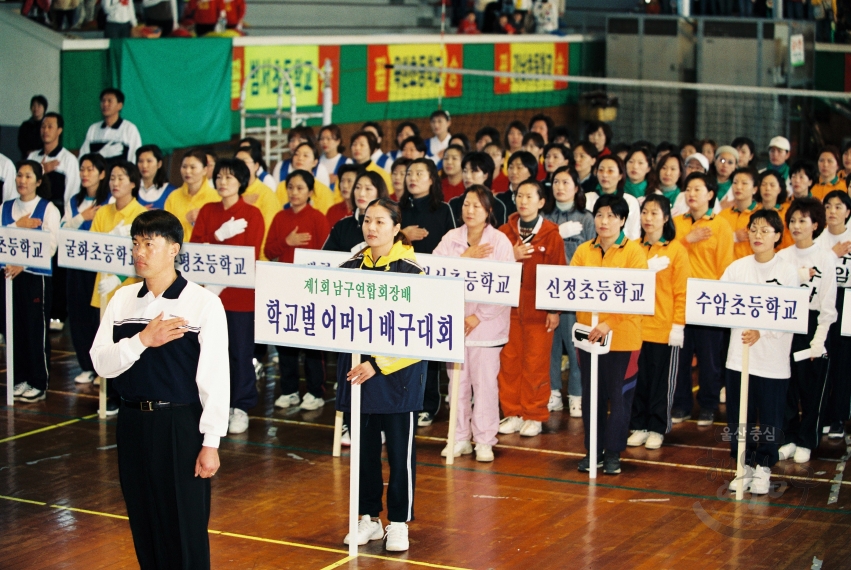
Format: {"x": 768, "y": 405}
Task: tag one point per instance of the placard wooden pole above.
{"x": 453, "y": 413}
{"x": 10, "y": 350}
{"x": 102, "y": 393}
{"x": 338, "y": 435}
{"x": 354, "y": 464}
{"x": 741, "y": 433}
{"x": 592, "y": 453}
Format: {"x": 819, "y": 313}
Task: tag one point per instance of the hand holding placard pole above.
{"x": 741, "y": 433}
{"x": 354, "y": 464}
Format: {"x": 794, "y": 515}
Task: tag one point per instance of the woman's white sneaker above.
{"x": 802, "y": 455}
{"x": 761, "y": 482}
{"x": 787, "y": 451}
{"x": 638, "y": 437}
{"x": 575, "y": 404}
{"x": 511, "y": 424}
{"x": 85, "y": 378}
{"x": 461, "y": 448}
{"x": 397, "y": 537}
{"x": 654, "y": 440}
{"x": 484, "y": 453}
{"x": 530, "y": 428}
{"x": 368, "y": 529}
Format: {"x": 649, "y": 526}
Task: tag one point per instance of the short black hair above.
{"x": 528, "y": 160}
{"x": 514, "y": 125}
{"x": 561, "y": 131}
{"x": 842, "y": 196}
{"x": 669, "y": 230}
{"x": 482, "y": 162}
{"x": 370, "y": 137}
{"x": 710, "y": 183}
{"x": 418, "y": 143}
{"x": 589, "y": 149}
{"x": 667, "y": 147}
{"x": 132, "y": 172}
{"x": 595, "y": 126}
{"x": 43, "y": 189}
{"x": 410, "y": 124}
{"x": 490, "y": 132}
{"x": 747, "y": 171}
{"x": 160, "y": 177}
{"x": 781, "y": 198}
{"x": 812, "y": 208}
{"x": 439, "y": 113}
{"x": 772, "y": 218}
{"x": 744, "y": 141}
{"x": 39, "y": 99}
{"x": 402, "y": 162}
{"x": 808, "y": 167}
{"x": 155, "y": 223}
{"x": 346, "y": 168}
{"x": 564, "y": 150}
{"x": 580, "y": 201}
{"x": 534, "y": 138}
{"x": 539, "y": 188}
{"x": 546, "y": 119}
{"x": 60, "y": 122}
{"x": 119, "y": 95}
{"x": 618, "y": 205}
{"x": 304, "y": 175}
{"x": 236, "y": 167}
{"x": 375, "y": 126}
{"x": 465, "y": 141}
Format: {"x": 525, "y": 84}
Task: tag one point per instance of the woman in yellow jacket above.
{"x": 829, "y": 179}
{"x": 116, "y": 218}
{"x": 186, "y": 201}
{"x": 305, "y": 158}
{"x": 663, "y": 332}
{"x": 617, "y": 370}
{"x": 258, "y": 194}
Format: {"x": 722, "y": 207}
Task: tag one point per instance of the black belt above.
{"x": 152, "y": 406}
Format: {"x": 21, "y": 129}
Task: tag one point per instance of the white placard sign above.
{"x": 845, "y": 325}
{"x": 485, "y": 281}
{"x": 595, "y": 289}
{"x": 25, "y": 247}
{"x": 747, "y": 306}
{"x": 370, "y": 312}
{"x": 207, "y": 264}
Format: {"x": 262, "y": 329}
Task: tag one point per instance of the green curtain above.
{"x": 178, "y": 90}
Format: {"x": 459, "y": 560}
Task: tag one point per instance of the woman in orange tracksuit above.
{"x": 524, "y": 374}
{"x": 617, "y": 371}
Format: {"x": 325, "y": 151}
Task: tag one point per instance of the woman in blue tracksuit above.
{"x": 393, "y": 390}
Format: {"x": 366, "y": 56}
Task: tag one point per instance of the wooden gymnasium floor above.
{"x": 281, "y": 501}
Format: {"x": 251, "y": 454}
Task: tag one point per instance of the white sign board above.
{"x": 227, "y": 265}
{"x": 25, "y": 247}
{"x": 845, "y": 325}
{"x": 595, "y": 290}
{"x": 796, "y": 50}
{"x": 485, "y": 281}
{"x": 747, "y": 306}
{"x": 370, "y": 312}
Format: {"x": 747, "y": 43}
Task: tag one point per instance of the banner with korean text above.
{"x": 535, "y": 58}
{"x": 747, "y": 306}
{"x": 207, "y": 264}
{"x": 595, "y": 290}
{"x": 485, "y": 281}
{"x": 25, "y": 247}
{"x": 383, "y": 85}
{"x": 336, "y": 309}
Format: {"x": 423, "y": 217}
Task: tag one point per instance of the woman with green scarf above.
{"x": 726, "y": 161}
{"x": 669, "y": 173}
{"x": 639, "y": 172}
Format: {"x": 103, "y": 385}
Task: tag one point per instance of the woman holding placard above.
{"x": 524, "y": 379}
{"x": 393, "y": 390}
{"x": 662, "y": 332}
{"x": 769, "y": 366}
{"x": 32, "y": 289}
{"x": 80, "y": 210}
{"x": 485, "y": 327}
{"x": 569, "y": 211}
{"x": 235, "y": 222}
{"x": 617, "y": 370}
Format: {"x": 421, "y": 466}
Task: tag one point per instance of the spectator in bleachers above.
{"x": 60, "y": 166}
{"x": 452, "y": 183}
{"x": 375, "y": 129}
{"x": 331, "y": 143}
{"x": 802, "y": 175}
{"x": 234, "y": 14}
{"x": 29, "y": 136}
{"x": 363, "y": 146}
{"x": 263, "y": 172}
{"x": 120, "y": 20}
{"x": 543, "y": 125}
{"x": 154, "y": 188}
{"x": 205, "y": 14}
{"x": 846, "y": 160}
{"x": 747, "y": 150}
{"x": 599, "y": 134}
{"x": 397, "y": 176}
{"x": 114, "y": 138}
{"x": 468, "y": 25}
{"x": 707, "y": 149}
{"x": 162, "y": 14}
{"x": 461, "y": 140}
{"x": 828, "y": 169}
{"x": 514, "y": 134}
{"x": 404, "y": 131}
{"x": 440, "y": 122}
{"x": 485, "y": 136}
{"x": 62, "y": 14}
{"x": 186, "y": 201}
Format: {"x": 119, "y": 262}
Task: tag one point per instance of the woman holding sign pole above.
{"x": 392, "y": 393}
{"x": 769, "y": 366}
{"x": 617, "y": 370}
{"x": 662, "y": 332}
{"x": 485, "y": 327}
{"x": 32, "y": 287}
{"x": 524, "y": 373}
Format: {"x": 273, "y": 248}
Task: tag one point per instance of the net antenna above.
{"x": 277, "y": 124}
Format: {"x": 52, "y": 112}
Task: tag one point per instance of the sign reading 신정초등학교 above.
{"x": 747, "y": 306}
{"x": 595, "y": 289}
{"x": 368, "y": 312}
{"x": 485, "y": 281}
{"x": 533, "y": 58}
{"x": 387, "y": 85}
{"x": 25, "y": 247}
{"x": 207, "y": 264}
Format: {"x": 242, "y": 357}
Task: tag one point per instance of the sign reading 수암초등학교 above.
{"x": 371, "y": 312}
{"x": 485, "y": 281}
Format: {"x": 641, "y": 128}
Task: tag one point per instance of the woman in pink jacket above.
{"x": 485, "y": 327}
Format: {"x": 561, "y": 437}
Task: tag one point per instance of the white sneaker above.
{"x": 346, "y": 438}
{"x": 85, "y": 378}
{"x": 20, "y": 389}
{"x": 311, "y": 402}
{"x": 722, "y": 396}
{"x": 461, "y": 448}
{"x": 761, "y": 482}
{"x": 638, "y": 437}
{"x": 368, "y": 529}
{"x": 530, "y": 428}
{"x": 745, "y": 481}
{"x": 397, "y": 537}
{"x": 238, "y": 422}
{"x": 654, "y": 440}
{"x": 33, "y": 395}
{"x": 575, "y": 404}
{"x": 56, "y": 325}
{"x": 424, "y": 419}
{"x": 556, "y": 403}
{"x": 511, "y": 424}
{"x": 787, "y": 451}
{"x": 285, "y": 401}
{"x": 484, "y": 453}
{"x": 802, "y": 455}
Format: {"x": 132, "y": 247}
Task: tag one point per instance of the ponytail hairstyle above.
{"x": 132, "y": 172}
{"x": 669, "y": 231}
{"x": 580, "y": 202}
{"x": 395, "y": 216}
{"x": 43, "y": 189}
{"x": 160, "y": 177}
{"x": 435, "y": 191}
{"x": 335, "y": 133}
{"x": 102, "y": 193}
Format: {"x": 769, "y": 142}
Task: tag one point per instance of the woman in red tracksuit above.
{"x": 524, "y": 375}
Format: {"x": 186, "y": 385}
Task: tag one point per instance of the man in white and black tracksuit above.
{"x": 165, "y": 343}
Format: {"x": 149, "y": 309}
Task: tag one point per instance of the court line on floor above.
{"x": 249, "y": 537}
{"x": 338, "y": 563}
{"x": 47, "y": 428}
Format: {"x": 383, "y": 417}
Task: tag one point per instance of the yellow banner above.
{"x": 403, "y": 85}
{"x": 537, "y": 58}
